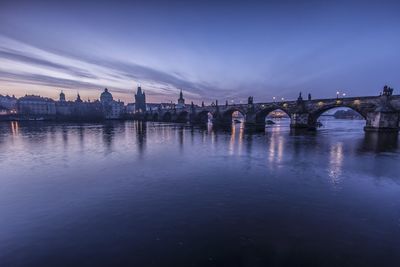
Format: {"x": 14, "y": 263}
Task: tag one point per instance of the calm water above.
{"x": 169, "y": 195}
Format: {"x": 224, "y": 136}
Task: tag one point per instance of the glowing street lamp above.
{"x": 274, "y": 98}
{"x": 337, "y": 94}
{"x": 344, "y": 94}
{"x": 282, "y": 98}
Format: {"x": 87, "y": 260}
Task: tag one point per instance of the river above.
{"x": 157, "y": 194}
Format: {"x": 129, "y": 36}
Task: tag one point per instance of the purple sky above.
{"x": 228, "y": 50}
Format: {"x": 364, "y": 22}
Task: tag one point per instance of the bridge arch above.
{"x": 262, "y": 114}
{"x": 315, "y": 115}
{"x": 204, "y": 116}
{"x": 227, "y": 115}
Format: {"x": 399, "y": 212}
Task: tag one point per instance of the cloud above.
{"x": 57, "y": 69}
{"x": 16, "y": 56}
{"x": 38, "y": 79}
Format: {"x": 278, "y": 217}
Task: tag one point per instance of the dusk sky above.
{"x": 228, "y": 50}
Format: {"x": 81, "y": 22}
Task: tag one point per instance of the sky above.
{"x": 225, "y": 50}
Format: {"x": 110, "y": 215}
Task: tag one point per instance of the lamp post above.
{"x": 273, "y": 98}
{"x": 337, "y": 94}
{"x": 344, "y": 94}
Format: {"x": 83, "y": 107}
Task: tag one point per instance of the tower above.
{"x": 181, "y": 100}
{"x": 62, "y": 97}
{"x": 140, "y": 100}
{"x": 78, "y": 99}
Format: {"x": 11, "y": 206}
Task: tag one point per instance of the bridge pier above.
{"x": 301, "y": 121}
{"x": 252, "y": 123}
{"x": 382, "y": 121}
{"x": 222, "y": 121}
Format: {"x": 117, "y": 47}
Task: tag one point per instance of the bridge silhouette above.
{"x": 381, "y": 113}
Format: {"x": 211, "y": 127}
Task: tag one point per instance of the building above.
{"x": 112, "y": 109}
{"x": 78, "y": 110}
{"x": 106, "y": 97}
{"x": 4, "y": 111}
{"x": 8, "y": 102}
{"x": 36, "y": 105}
{"x": 181, "y": 101}
{"x": 117, "y": 110}
{"x": 140, "y": 100}
{"x": 86, "y": 110}
{"x": 130, "y": 108}
{"x": 167, "y": 105}
{"x": 62, "y": 97}
{"x": 63, "y": 107}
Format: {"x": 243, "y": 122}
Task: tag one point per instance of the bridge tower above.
{"x": 385, "y": 118}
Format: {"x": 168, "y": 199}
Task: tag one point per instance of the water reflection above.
{"x": 240, "y": 190}
{"x": 335, "y": 162}
{"x": 276, "y": 147}
{"x": 181, "y": 137}
{"x": 81, "y": 135}
{"x": 236, "y": 139}
{"x": 108, "y": 135}
{"x": 379, "y": 142}
{"x": 14, "y": 128}
{"x": 141, "y": 134}
{"x": 65, "y": 133}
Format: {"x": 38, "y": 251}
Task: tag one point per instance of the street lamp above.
{"x": 344, "y": 94}
{"x": 283, "y": 98}
{"x": 274, "y": 98}
{"x": 337, "y": 94}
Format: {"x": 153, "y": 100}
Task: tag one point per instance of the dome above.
{"x": 106, "y": 96}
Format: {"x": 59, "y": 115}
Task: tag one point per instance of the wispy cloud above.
{"x": 26, "y": 64}
{"x": 18, "y": 56}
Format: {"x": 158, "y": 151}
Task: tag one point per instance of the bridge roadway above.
{"x": 381, "y": 113}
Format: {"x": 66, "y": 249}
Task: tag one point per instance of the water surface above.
{"x": 151, "y": 194}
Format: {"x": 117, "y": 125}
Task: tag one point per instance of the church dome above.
{"x": 106, "y": 96}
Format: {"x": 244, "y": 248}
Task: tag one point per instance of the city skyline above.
{"x": 211, "y": 51}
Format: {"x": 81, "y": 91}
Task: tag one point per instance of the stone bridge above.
{"x": 381, "y": 113}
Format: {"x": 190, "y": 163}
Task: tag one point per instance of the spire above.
{"x": 78, "y": 98}
{"x": 181, "y": 100}
{"x": 139, "y": 90}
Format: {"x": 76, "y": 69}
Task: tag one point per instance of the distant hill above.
{"x": 347, "y": 114}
